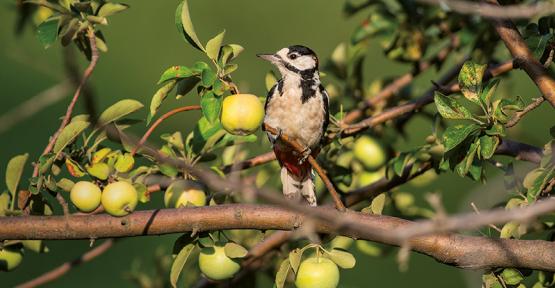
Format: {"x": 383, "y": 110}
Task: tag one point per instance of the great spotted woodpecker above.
{"x": 297, "y": 105}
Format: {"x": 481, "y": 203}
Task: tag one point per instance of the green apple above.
{"x": 369, "y": 152}
{"x": 10, "y": 258}
{"x": 242, "y": 114}
{"x": 183, "y": 193}
{"x": 424, "y": 179}
{"x": 215, "y": 265}
{"x": 85, "y": 196}
{"x": 317, "y": 272}
{"x": 119, "y": 198}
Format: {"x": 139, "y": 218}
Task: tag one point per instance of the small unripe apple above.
{"x": 215, "y": 265}
{"x": 10, "y": 258}
{"x": 119, "y": 198}
{"x": 317, "y": 272}
{"x": 183, "y": 193}
{"x": 242, "y": 114}
{"x": 369, "y": 152}
{"x": 85, "y": 196}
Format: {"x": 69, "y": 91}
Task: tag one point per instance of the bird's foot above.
{"x": 305, "y": 154}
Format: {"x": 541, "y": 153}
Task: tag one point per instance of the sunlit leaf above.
{"x": 342, "y": 258}
{"x": 211, "y": 106}
{"x": 449, "y": 108}
{"x": 185, "y": 25}
{"x": 233, "y": 250}
{"x": 68, "y": 135}
{"x": 158, "y": 97}
{"x": 454, "y": 135}
{"x": 176, "y": 72}
{"x": 119, "y": 110}
{"x": 281, "y": 275}
{"x": 179, "y": 263}
{"x": 213, "y": 46}
{"x": 470, "y": 80}
{"x": 15, "y": 168}
{"x": 109, "y": 8}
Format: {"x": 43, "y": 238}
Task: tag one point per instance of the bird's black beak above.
{"x": 268, "y": 57}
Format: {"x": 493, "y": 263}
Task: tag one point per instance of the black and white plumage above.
{"x": 297, "y": 105}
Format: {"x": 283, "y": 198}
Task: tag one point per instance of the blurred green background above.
{"x": 143, "y": 42}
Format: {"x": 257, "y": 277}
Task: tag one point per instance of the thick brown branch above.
{"x": 66, "y": 267}
{"x": 159, "y": 121}
{"x": 508, "y": 32}
{"x": 471, "y": 221}
{"x": 461, "y": 251}
{"x": 490, "y": 11}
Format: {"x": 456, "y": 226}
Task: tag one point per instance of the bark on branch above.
{"x": 453, "y": 249}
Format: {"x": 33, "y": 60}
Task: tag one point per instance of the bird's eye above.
{"x": 293, "y": 56}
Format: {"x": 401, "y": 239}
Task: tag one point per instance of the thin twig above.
{"x": 426, "y": 98}
{"x": 321, "y": 172}
{"x": 518, "y": 115}
{"x": 400, "y": 82}
{"x": 66, "y": 267}
{"x": 67, "y": 117}
{"x": 159, "y": 121}
{"x": 518, "y": 11}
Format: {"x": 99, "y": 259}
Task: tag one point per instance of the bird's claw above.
{"x": 305, "y": 154}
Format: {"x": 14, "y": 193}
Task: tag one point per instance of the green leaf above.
{"x": 230, "y": 52}
{"x": 378, "y": 203}
{"x": 449, "y": 108}
{"x": 342, "y": 258}
{"x": 119, "y": 110}
{"x": 108, "y": 9}
{"x": 496, "y": 129}
{"x": 470, "y": 80}
{"x": 124, "y": 163}
{"x": 14, "y": 172}
{"x": 99, "y": 170}
{"x": 281, "y": 274}
{"x": 176, "y": 72}
{"x": 295, "y": 259}
{"x": 211, "y": 106}
{"x": 511, "y": 276}
{"x": 208, "y": 77}
{"x": 489, "y": 90}
{"x": 368, "y": 248}
{"x": 68, "y": 135}
{"x": 47, "y": 31}
{"x": 4, "y": 203}
{"x": 538, "y": 43}
{"x": 213, "y": 46}
{"x": 488, "y": 145}
{"x": 157, "y": 99}
{"x": 509, "y": 230}
{"x": 464, "y": 166}
{"x": 65, "y": 184}
{"x": 185, "y": 85}
{"x": 229, "y": 68}
{"x": 455, "y": 135}
{"x": 166, "y": 168}
{"x": 185, "y": 25}
{"x": 233, "y": 250}
{"x": 36, "y": 246}
{"x": 74, "y": 168}
{"x": 179, "y": 263}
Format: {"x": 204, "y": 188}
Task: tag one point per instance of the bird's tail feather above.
{"x": 296, "y": 189}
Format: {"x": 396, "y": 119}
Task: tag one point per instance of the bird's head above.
{"x": 294, "y": 60}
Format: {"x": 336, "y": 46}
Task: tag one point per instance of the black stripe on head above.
{"x": 302, "y": 50}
